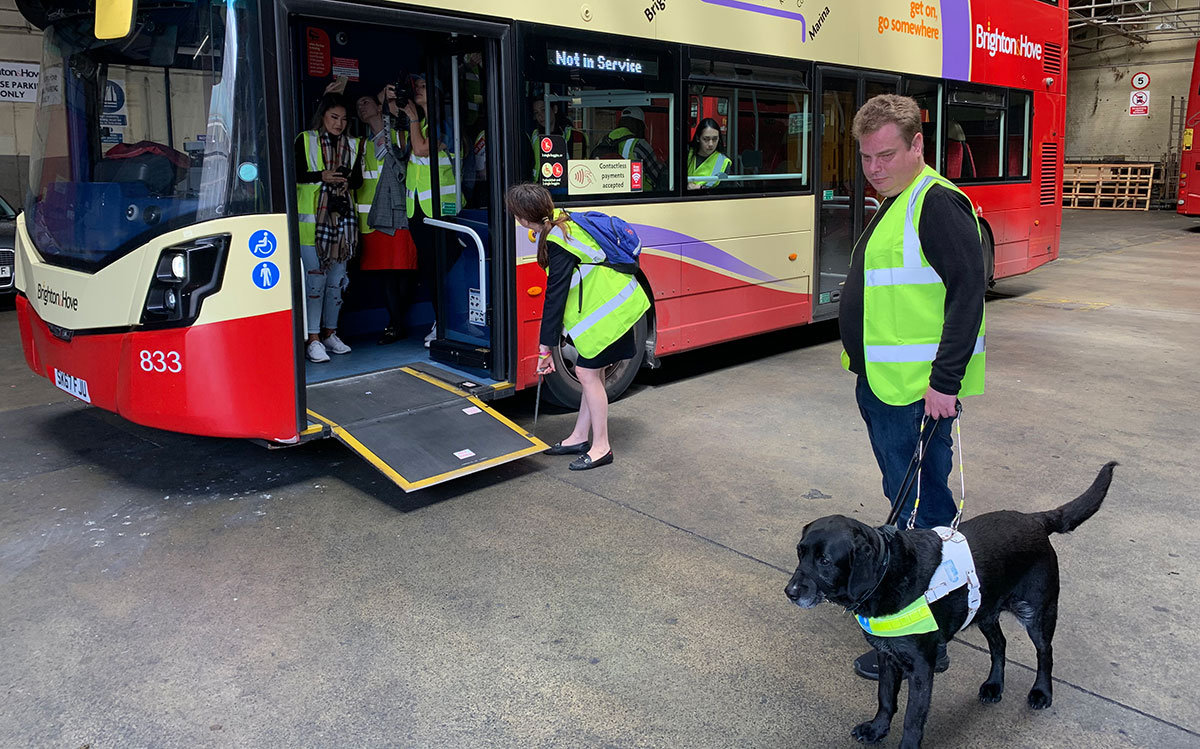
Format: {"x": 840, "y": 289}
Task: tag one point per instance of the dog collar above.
{"x": 914, "y": 619}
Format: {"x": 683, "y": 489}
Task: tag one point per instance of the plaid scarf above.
{"x": 337, "y": 215}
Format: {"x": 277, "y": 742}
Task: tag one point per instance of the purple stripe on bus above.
{"x": 737, "y": 4}
{"x": 693, "y": 249}
{"x": 956, "y": 39}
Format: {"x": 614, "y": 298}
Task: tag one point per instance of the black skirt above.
{"x": 624, "y": 347}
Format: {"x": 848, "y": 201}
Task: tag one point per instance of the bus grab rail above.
{"x": 478, "y": 246}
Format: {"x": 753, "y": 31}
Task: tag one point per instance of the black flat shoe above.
{"x": 867, "y": 664}
{"x": 585, "y": 462}
{"x": 561, "y": 449}
{"x": 390, "y": 335}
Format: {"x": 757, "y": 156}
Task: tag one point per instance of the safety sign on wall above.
{"x": 1139, "y": 103}
{"x": 19, "y": 81}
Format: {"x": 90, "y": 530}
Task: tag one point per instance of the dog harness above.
{"x": 956, "y": 570}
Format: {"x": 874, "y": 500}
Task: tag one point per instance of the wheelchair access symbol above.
{"x": 262, "y": 243}
{"x": 265, "y": 275}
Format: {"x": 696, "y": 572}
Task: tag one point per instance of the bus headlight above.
{"x": 185, "y": 274}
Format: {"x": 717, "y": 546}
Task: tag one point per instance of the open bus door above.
{"x": 421, "y": 418}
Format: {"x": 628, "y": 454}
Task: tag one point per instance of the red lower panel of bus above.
{"x": 727, "y": 310}
{"x": 228, "y": 379}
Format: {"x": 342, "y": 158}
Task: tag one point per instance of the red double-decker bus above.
{"x": 158, "y": 257}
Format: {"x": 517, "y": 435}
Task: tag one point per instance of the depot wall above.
{"x": 1098, "y": 86}
{"x": 19, "y": 42}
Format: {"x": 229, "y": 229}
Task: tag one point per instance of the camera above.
{"x": 402, "y": 88}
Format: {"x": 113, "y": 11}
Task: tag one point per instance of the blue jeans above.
{"x": 893, "y": 431}
{"x": 323, "y": 289}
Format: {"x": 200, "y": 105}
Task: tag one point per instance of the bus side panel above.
{"x": 163, "y": 378}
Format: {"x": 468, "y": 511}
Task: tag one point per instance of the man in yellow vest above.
{"x": 912, "y": 314}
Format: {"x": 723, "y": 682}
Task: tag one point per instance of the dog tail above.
{"x": 1071, "y": 515}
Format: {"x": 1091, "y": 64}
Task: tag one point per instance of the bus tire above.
{"x": 563, "y": 388}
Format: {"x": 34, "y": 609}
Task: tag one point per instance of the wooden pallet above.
{"x": 1117, "y": 187}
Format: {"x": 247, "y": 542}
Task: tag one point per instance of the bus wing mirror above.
{"x": 114, "y": 18}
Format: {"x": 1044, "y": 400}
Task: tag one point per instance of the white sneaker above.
{"x": 334, "y": 344}
{"x": 432, "y": 336}
{"x": 316, "y": 352}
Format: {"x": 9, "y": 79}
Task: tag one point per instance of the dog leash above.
{"x": 914, "y": 468}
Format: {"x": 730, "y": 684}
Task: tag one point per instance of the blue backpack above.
{"x": 620, "y": 242}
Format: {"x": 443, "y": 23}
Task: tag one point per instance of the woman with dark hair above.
{"x": 705, "y": 161}
{"x": 328, "y": 170}
{"x": 419, "y": 183}
{"x": 598, "y": 313}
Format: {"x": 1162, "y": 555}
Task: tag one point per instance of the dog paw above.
{"x": 1040, "y": 699}
{"x": 869, "y": 732}
{"x": 990, "y": 692}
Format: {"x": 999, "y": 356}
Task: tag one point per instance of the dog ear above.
{"x": 864, "y": 563}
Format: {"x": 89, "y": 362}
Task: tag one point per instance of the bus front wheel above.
{"x": 563, "y": 388}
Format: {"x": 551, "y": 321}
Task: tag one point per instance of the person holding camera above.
{"x": 328, "y": 171}
{"x": 388, "y": 251}
{"x": 413, "y": 102}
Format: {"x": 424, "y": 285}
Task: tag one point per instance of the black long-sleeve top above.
{"x": 304, "y": 176}
{"x": 558, "y": 284}
{"x": 950, "y": 241}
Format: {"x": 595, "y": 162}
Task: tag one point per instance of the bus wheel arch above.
{"x": 989, "y": 253}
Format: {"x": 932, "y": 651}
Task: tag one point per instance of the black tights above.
{"x": 397, "y": 294}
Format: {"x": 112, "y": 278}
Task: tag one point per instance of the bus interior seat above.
{"x": 751, "y": 162}
{"x": 959, "y": 161}
{"x": 154, "y": 165}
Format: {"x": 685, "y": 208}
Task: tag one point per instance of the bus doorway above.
{"x": 845, "y": 201}
{"x": 423, "y": 324}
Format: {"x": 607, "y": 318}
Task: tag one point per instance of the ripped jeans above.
{"x": 322, "y": 289}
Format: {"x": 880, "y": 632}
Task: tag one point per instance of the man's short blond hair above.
{"x": 902, "y": 111}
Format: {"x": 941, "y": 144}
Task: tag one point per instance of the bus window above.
{"x": 928, "y": 95}
{"x": 162, "y": 123}
{"x": 1020, "y": 111}
{"x": 592, "y": 103}
{"x": 764, "y": 118}
{"x": 974, "y": 147}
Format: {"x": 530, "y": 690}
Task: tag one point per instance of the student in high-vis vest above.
{"x": 628, "y": 141}
{"x": 420, "y": 190}
{"x": 911, "y": 315}
{"x": 388, "y": 249}
{"x": 706, "y": 163}
{"x": 328, "y": 171}
{"x": 593, "y": 304}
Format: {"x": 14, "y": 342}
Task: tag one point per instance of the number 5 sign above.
{"x": 1140, "y": 81}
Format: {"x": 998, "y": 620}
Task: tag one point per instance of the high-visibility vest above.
{"x": 307, "y": 192}
{"x": 904, "y": 302}
{"x": 716, "y": 163}
{"x": 372, "y": 167}
{"x": 625, "y": 141}
{"x": 602, "y": 303}
{"x": 420, "y": 185}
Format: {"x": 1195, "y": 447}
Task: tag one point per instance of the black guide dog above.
{"x": 878, "y": 571}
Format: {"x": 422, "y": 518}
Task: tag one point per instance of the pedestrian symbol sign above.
{"x": 265, "y": 275}
{"x": 262, "y": 243}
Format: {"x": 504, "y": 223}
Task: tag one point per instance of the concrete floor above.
{"x": 161, "y": 590}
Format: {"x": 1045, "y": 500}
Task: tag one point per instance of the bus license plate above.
{"x": 73, "y": 385}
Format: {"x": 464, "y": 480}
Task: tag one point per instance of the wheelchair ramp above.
{"x": 416, "y": 429}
